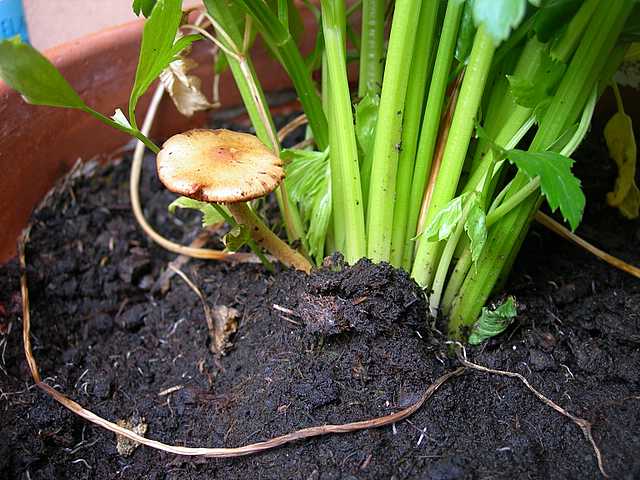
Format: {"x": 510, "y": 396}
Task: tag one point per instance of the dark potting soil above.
{"x": 355, "y": 346}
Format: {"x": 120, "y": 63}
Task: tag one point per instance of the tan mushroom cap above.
{"x": 218, "y": 166}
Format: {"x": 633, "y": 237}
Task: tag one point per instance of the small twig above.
{"x": 307, "y": 142}
{"x": 162, "y": 283}
{"x": 205, "y": 306}
{"x": 286, "y": 310}
{"x": 582, "y": 423}
{"x": 170, "y": 390}
{"x": 559, "y": 229}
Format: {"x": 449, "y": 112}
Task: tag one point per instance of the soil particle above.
{"x": 355, "y": 346}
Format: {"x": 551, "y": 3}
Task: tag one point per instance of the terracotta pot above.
{"x": 39, "y": 144}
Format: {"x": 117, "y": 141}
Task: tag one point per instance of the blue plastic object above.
{"x": 12, "y": 21}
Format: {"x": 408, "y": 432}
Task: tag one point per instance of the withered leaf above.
{"x": 185, "y": 90}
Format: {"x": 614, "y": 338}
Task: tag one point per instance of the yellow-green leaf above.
{"x": 622, "y": 148}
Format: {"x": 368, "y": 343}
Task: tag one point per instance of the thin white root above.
{"x": 582, "y": 423}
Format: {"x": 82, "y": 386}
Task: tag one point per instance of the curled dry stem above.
{"x": 582, "y": 423}
{"x": 290, "y": 127}
{"x": 194, "y": 451}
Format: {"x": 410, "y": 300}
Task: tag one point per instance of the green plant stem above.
{"x": 462, "y": 125}
{"x": 513, "y": 201}
{"x": 456, "y": 279}
{"x": 280, "y": 40}
{"x": 384, "y": 167}
{"x": 343, "y": 149}
{"x": 570, "y": 38}
{"x": 337, "y": 189}
{"x": 372, "y": 47}
{"x": 133, "y": 132}
{"x": 445, "y": 261}
{"x": 421, "y": 66}
{"x": 430, "y": 123}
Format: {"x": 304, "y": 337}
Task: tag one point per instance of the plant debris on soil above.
{"x": 341, "y": 345}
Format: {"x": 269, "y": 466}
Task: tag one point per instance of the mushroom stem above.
{"x": 267, "y": 239}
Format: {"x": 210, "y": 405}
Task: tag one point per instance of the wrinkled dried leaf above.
{"x": 622, "y": 148}
{"x": 225, "y": 324}
{"x": 184, "y": 89}
{"x": 124, "y": 445}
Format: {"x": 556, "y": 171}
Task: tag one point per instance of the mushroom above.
{"x": 230, "y": 168}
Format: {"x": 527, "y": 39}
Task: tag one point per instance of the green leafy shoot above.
{"x": 238, "y": 237}
{"x": 493, "y": 322}
{"x": 558, "y": 184}
{"x": 445, "y": 221}
{"x": 143, "y": 6}
{"x": 533, "y": 91}
{"x": 476, "y": 228}
{"x": 159, "y": 48}
{"x": 308, "y": 184}
{"x": 210, "y": 215}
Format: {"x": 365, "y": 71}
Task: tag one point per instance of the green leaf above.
{"x": 309, "y": 185}
{"x": 26, "y": 70}
{"x": 159, "y": 47}
{"x": 493, "y": 322}
{"x": 445, "y": 220}
{"x": 238, "y": 237}
{"x": 476, "y": 228}
{"x": 210, "y": 215}
{"x": 143, "y": 6}
{"x": 499, "y": 16}
{"x": 560, "y": 187}
{"x": 531, "y": 92}
{"x": 366, "y": 119}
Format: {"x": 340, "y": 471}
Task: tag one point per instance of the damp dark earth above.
{"x": 116, "y": 331}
